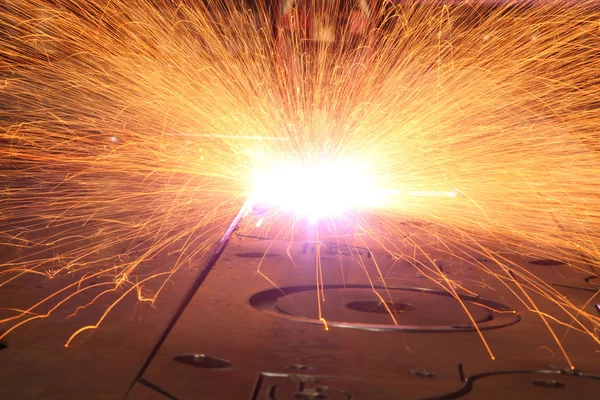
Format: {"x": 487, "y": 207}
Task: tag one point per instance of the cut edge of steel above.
{"x": 208, "y": 265}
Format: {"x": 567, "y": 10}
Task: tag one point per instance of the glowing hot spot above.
{"x": 324, "y": 189}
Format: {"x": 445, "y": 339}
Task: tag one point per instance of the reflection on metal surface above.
{"x": 202, "y": 361}
{"x": 338, "y": 249}
{"x": 423, "y": 373}
{"x": 359, "y": 307}
{"x": 275, "y": 386}
{"x": 549, "y": 383}
{"x": 519, "y": 384}
{"x": 299, "y": 367}
{"x": 514, "y": 384}
{"x": 237, "y": 319}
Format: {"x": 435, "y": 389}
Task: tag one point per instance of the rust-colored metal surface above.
{"x": 253, "y": 330}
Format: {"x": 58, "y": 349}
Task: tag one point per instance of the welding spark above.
{"x": 137, "y": 129}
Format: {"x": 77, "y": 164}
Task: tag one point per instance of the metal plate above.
{"x": 261, "y": 315}
{"x": 540, "y": 384}
{"x": 408, "y": 308}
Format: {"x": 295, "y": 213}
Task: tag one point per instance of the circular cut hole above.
{"x": 546, "y": 262}
{"x": 549, "y": 383}
{"x": 202, "y": 361}
{"x": 378, "y": 307}
{"x": 355, "y": 306}
{"x": 255, "y": 254}
{"x": 2, "y": 346}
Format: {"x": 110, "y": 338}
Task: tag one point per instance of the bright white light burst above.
{"x": 318, "y": 190}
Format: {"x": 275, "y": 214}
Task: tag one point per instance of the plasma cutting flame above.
{"x": 130, "y": 130}
{"x": 328, "y": 189}
{"x": 325, "y": 189}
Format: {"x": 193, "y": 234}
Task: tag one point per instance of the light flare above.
{"x": 130, "y": 132}
{"x": 318, "y": 190}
